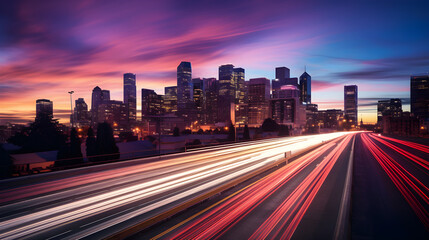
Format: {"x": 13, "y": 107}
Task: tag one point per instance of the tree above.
{"x": 186, "y": 132}
{"x": 44, "y": 135}
{"x": 176, "y": 132}
{"x": 105, "y": 143}
{"x": 70, "y": 154}
{"x": 269, "y": 125}
{"x": 91, "y": 148}
{"x": 6, "y": 164}
{"x": 231, "y": 133}
{"x": 283, "y": 130}
{"x": 246, "y": 134}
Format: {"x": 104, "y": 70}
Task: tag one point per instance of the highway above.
{"x": 98, "y": 201}
{"x": 390, "y": 189}
{"x": 361, "y": 186}
{"x": 305, "y": 199}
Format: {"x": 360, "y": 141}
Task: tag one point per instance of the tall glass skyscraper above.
{"x": 184, "y": 89}
{"x": 226, "y": 94}
{"x": 305, "y": 87}
{"x": 351, "y": 103}
{"x": 420, "y": 96}
{"x": 44, "y": 109}
{"x": 130, "y": 97}
{"x": 98, "y": 97}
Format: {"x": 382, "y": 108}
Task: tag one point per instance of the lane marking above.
{"x": 204, "y": 210}
{"x": 59, "y": 235}
{"x": 340, "y": 228}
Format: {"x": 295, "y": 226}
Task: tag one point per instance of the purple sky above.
{"x": 48, "y": 48}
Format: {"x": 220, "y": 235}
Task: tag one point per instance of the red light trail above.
{"x": 219, "y": 220}
{"x": 410, "y": 187}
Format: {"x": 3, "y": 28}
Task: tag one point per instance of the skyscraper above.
{"x": 226, "y": 92}
{"x": 44, "y": 109}
{"x": 259, "y": 95}
{"x": 239, "y": 81}
{"x": 287, "y": 108}
{"x": 184, "y": 89}
{"x": 210, "y": 100}
{"x": 170, "y": 99}
{"x": 197, "y": 84}
{"x": 81, "y": 114}
{"x": 420, "y": 97}
{"x": 305, "y": 87}
{"x": 282, "y": 73}
{"x": 351, "y": 104}
{"x": 391, "y": 107}
{"x": 282, "y": 78}
{"x": 151, "y": 104}
{"x": 98, "y": 97}
{"x": 130, "y": 97}
{"x": 114, "y": 113}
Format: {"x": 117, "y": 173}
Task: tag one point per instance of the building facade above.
{"x": 226, "y": 93}
{"x": 81, "y": 114}
{"x": 170, "y": 99}
{"x": 287, "y": 108}
{"x": 98, "y": 97}
{"x": 184, "y": 89}
{"x": 305, "y": 87}
{"x": 130, "y": 97}
{"x": 419, "y": 86}
{"x": 152, "y": 104}
{"x": 114, "y": 113}
{"x": 44, "y": 109}
{"x": 351, "y": 104}
{"x": 259, "y": 96}
{"x": 391, "y": 107}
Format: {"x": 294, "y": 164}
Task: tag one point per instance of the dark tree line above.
{"x": 270, "y": 125}
{"x": 98, "y": 149}
{"x": 103, "y": 148}
{"x": 42, "y": 135}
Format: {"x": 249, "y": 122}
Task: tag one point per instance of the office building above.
{"x": 282, "y": 73}
{"x": 44, "y": 109}
{"x": 240, "y": 85}
{"x": 151, "y": 104}
{"x": 287, "y": 108}
{"x": 331, "y": 119}
{"x": 311, "y": 112}
{"x": 282, "y": 78}
{"x": 170, "y": 99}
{"x": 420, "y": 98}
{"x": 198, "y": 92}
{"x": 305, "y": 87}
{"x": 351, "y": 104}
{"x": 226, "y": 93}
{"x": 184, "y": 89}
{"x": 259, "y": 95}
{"x": 98, "y": 97}
{"x": 210, "y": 100}
{"x": 114, "y": 113}
{"x": 391, "y": 107}
{"x": 130, "y": 97}
{"x": 81, "y": 114}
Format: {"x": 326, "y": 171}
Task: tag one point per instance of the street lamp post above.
{"x": 71, "y": 108}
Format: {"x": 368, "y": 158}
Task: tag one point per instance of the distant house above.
{"x": 26, "y": 163}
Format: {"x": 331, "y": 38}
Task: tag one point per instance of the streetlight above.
{"x": 71, "y": 108}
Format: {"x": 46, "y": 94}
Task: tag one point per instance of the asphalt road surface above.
{"x": 97, "y": 201}
{"x": 302, "y": 200}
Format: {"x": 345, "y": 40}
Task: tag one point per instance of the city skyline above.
{"x": 44, "y": 55}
